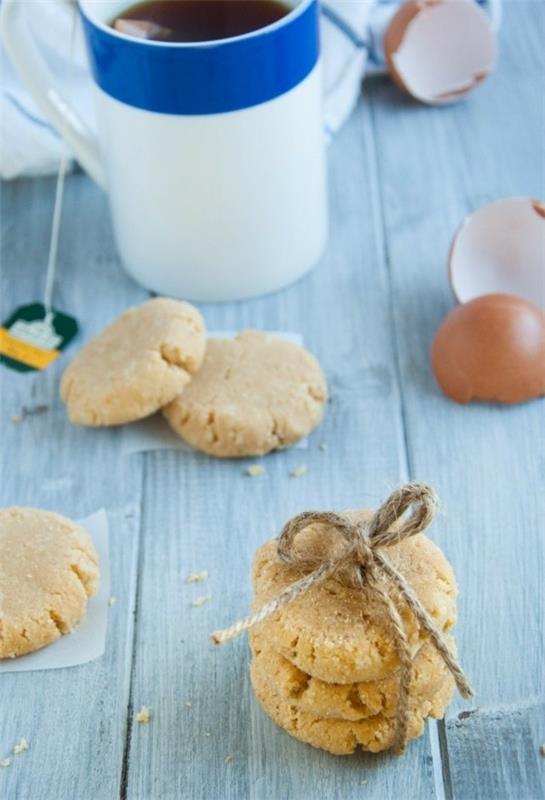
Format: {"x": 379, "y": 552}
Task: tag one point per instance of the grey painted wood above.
{"x": 493, "y": 753}
{"x": 73, "y": 719}
{"x": 486, "y": 461}
{"x": 402, "y": 177}
{"x": 203, "y": 514}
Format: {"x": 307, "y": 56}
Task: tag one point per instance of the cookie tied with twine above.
{"x": 357, "y": 557}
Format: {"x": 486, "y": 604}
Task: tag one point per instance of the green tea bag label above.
{"x": 32, "y": 338}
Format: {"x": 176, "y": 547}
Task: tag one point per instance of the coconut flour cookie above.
{"x": 351, "y": 701}
{"x": 253, "y": 394}
{"x": 48, "y": 571}
{"x": 340, "y": 634}
{"x": 140, "y": 362}
{"x": 340, "y": 736}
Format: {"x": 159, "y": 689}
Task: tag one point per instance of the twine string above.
{"x": 59, "y": 189}
{"x": 427, "y": 623}
{"x": 361, "y": 563}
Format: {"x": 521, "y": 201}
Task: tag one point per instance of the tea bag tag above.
{"x": 33, "y": 336}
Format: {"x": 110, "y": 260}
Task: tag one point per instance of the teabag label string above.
{"x": 33, "y": 335}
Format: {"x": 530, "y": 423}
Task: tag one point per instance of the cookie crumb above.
{"x": 6, "y": 762}
{"x": 16, "y": 419}
{"x": 20, "y": 747}
{"x": 228, "y": 759}
{"x": 255, "y": 470}
{"x": 207, "y": 733}
{"x": 200, "y": 601}
{"x": 299, "y": 471}
{"x": 323, "y": 446}
{"x": 144, "y": 715}
{"x": 112, "y": 600}
{"x": 197, "y": 577}
{"x": 189, "y": 704}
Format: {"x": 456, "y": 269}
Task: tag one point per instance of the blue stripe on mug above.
{"x": 207, "y": 78}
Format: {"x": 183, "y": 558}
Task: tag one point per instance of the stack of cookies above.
{"x": 325, "y": 667}
{"x": 230, "y": 398}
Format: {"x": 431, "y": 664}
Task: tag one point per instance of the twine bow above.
{"x": 363, "y": 563}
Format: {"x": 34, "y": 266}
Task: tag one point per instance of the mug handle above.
{"x": 34, "y": 72}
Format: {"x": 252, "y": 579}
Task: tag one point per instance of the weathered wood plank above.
{"x": 486, "y": 461}
{"x": 74, "y": 719}
{"x": 204, "y": 514}
{"x": 497, "y": 749}
{"x": 433, "y": 166}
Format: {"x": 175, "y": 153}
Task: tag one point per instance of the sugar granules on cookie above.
{"x": 41, "y": 601}
{"x": 161, "y": 345}
{"x": 300, "y": 609}
{"x": 253, "y": 394}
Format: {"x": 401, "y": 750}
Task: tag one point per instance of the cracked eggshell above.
{"x": 491, "y": 348}
{"x": 438, "y": 50}
{"x": 501, "y": 248}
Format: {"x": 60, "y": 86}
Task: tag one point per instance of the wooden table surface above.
{"x": 402, "y": 177}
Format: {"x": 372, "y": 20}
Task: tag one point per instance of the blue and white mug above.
{"x": 212, "y": 153}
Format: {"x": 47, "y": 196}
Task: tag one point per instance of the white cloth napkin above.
{"x": 352, "y": 33}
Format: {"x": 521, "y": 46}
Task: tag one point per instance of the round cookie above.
{"x": 351, "y": 701}
{"x": 339, "y": 736}
{"x": 341, "y": 634}
{"x": 254, "y": 394}
{"x": 140, "y": 362}
{"x": 48, "y": 570}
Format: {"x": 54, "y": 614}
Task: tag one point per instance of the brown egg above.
{"x": 438, "y": 50}
{"x": 492, "y": 348}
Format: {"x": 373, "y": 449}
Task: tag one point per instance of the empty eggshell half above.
{"x": 438, "y": 50}
{"x": 501, "y": 248}
{"x": 491, "y": 348}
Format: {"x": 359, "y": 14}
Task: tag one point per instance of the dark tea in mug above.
{"x": 197, "y": 20}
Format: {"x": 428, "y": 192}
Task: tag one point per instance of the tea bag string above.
{"x": 362, "y": 565}
{"x": 59, "y": 191}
